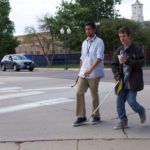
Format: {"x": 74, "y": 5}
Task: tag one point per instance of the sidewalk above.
{"x": 59, "y": 69}
{"x": 55, "y": 69}
{"x": 98, "y": 137}
{"x": 80, "y": 145}
{"x": 72, "y": 69}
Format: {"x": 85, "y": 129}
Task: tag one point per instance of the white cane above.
{"x": 103, "y": 100}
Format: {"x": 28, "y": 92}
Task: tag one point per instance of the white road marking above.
{"x": 34, "y": 105}
{"x": 20, "y": 89}
{"x": 10, "y": 89}
{"x": 44, "y": 89}
{"x": 8, "y": 96}
{"x": 2, "y": 83}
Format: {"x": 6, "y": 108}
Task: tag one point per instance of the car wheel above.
{"x": 15, "y": 68}
{"x": 3, "y": 67}
{"x": 31, "y": 69}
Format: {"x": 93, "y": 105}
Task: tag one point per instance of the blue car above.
{"x": 17, "y": 62}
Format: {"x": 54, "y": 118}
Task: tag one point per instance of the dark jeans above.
{"x": 130, "y": 97}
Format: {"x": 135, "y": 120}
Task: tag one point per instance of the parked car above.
{"x": 17, "y": 62}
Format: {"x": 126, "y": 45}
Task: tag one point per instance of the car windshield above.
{"x": 20, "y": 57}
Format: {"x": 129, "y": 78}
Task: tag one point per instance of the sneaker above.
{"x": 121, "y": 125}
{"x": 80, "y": 121}
{"x": 142, "y": 117}
{"x": 96, "y": 120}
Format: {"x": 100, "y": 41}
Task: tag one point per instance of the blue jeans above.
{"x": 130, "y": 97}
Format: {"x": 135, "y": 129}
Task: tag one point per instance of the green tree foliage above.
{"x": 109, "y": 32}
{"x": 7, "y": 41}
{"x": 146, "y": 33}
{"x": 98, "y": 8}
{"x": 75, "y": 14}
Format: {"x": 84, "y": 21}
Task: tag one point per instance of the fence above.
{"x": 74, "y": 59}
{"x": 57, "y": 59}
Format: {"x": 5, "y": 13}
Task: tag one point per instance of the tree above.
{"x": 47, "y": 25}
{"x": 7, "y": 42}
{"x": 75, "y": 14}
{"x": 146, "y": 33}
{"x": 98, "y": 9}
{"x": 44, "y": 42}
{"x": 109, "y": 33}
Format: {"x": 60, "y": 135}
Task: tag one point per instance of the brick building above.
{"x": 30, "y": 44}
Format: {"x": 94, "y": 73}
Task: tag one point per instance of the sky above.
{"x": 27, "y": 12}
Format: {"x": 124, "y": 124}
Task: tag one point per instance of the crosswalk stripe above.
{"x": 10, "y": 89}
{"x": 2, "y": 83}
{"x": 45, "y": 89}
{"x": 34, "y": 105}
{"x": 20, "y": 89}
{"x": 9, "y": 96}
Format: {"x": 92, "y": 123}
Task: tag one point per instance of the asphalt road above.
{"x": 40, "y": 105}
{"x": 67, "y": 74}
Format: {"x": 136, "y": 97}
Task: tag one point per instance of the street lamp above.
{"x": 98, "y": 5}
{"x": 64, "y": 33}
{"x": 97, "y": 17}
{"x": 114, "y": 9}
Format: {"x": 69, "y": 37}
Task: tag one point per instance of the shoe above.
{"x": 96, "y": 120}
{"x": 142, "y": 117}
{"x": 80, "y": 121}
{"x": 121, "y": 125}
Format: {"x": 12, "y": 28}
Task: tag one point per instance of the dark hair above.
{"x": 92, "y": 24}
{"x": 126, "y": 30}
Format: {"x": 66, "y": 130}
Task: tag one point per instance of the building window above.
{"x": 38, "y": 52}
{"x": 140, "y": 10}
{"x": 134, "y": 10}
{"x": 25, "y": 49}
{"x": 31, "y": 50}
{"x": 19, "y": 49}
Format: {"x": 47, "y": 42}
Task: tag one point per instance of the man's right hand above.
{"x": 77, "y": 79}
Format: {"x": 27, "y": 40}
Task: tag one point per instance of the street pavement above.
{"x": 37, "y": 112}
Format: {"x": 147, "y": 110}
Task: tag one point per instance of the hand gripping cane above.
{"x": 73, "y": 85}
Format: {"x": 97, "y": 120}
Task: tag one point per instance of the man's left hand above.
{"x": 122, "y": 59}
